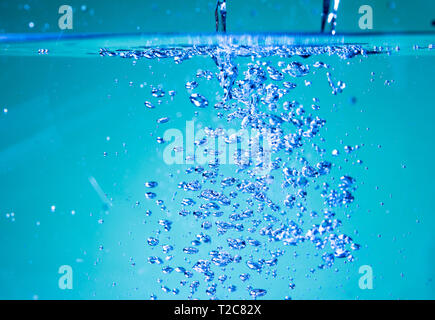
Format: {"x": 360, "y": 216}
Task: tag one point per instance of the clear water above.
{"x": 101, "y": 170}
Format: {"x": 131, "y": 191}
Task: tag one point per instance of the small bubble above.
{"x": 150, "y": 195}
{"x": 153, "y": 241}
{"x": 163, "y": 120}
{"x": 149, "y": 105}
{"x": 151, "y": 184}
{"x": 190, "y": 85}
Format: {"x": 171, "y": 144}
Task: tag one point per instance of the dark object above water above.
{"x": 221, "y": 15}
{"x": 329, "y": 15}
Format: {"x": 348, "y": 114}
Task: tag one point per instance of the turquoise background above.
{"x": 198, "y": 15}
{"x": 61, "y": 109}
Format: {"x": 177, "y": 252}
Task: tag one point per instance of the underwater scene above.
{"x": 213, "y": 149}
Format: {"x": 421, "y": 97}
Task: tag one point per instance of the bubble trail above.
{"x": 258, "y": 211}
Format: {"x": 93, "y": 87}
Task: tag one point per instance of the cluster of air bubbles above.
{"x": 259, "y": 213}
{"x": 42, "y": 51}
{"x": 198, "y": 100}
{"x": 284, "y": 51}
{"x": 10, "y": 216}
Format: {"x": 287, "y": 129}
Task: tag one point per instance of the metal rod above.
{"x": 221, "y": 15}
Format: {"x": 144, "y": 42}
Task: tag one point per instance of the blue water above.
{"x": 102, "y": 171}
